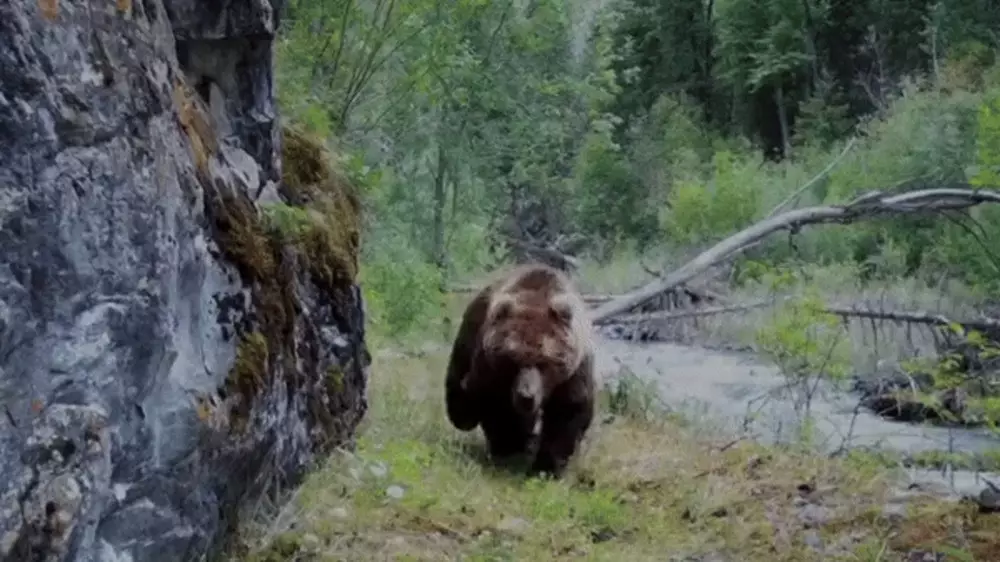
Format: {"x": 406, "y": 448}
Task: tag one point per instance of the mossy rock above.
{"x": 321, "y": 224}
{"x": 248, "y": 373}
{"x": 335, "y": 379}
{"x": 331, "y": 244}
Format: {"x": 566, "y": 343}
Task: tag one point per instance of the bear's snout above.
{"x": 528, "y": 390}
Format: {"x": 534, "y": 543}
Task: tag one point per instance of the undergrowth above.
{"x": 643, "y": 488}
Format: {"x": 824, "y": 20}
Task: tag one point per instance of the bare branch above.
{"x": 988, "y": 325}
{"x": 647, "y": 269}
{"x": 795, "y": 195}
{"x": 709, "y": 311}
{"x": 983, "y": 324}
{"x": 865, "y": 207}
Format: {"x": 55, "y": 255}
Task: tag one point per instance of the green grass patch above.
{"x": 643, "y": 488}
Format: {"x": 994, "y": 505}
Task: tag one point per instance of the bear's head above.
{"x": 532, "y": 340}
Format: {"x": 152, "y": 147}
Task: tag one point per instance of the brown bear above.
{"x": 522, "y": 367}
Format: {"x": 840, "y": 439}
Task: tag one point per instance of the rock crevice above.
{"x": 169, "y": 351}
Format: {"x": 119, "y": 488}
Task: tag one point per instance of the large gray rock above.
{"x": 164, "y": 357}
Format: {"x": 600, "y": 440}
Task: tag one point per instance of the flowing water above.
{"x": 725, "y": 387}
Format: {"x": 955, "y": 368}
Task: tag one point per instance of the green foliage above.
{"x": 950, "y": 373}
{"x": 611, "y": 203}
{"x": 698, "y": 213}
{"x": 987, "y": 173}
{"x": 967, "y": 245}
{"x": 467, "y": 255}
{"x": 402, "y": 290}
{"x": 638, "y": 121}
{"x": 632, "y": 397}
{"x": 823, "y": 118}
{"x": 292, "y": 222}
{"x": 805, "y": 342}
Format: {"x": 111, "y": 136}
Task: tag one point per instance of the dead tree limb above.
{"x": 865, "y": 207}
{"x": 986, "y": 325}
{"x": 590, "y": 299}
{"x": 594, "y": 299}
{"x": 708, "y": 311}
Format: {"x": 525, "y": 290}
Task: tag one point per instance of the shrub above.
{"x": 401, "y": 288}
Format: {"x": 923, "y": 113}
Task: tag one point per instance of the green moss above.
{"x": 335, "y": 379}
{"x": 304, "y": 162}
{"x": 197, "y": 125}
{"x": 287, "y": 546}
{"x": 246, "y": 241}
{"x": 242, "y": 236}
{"x": 251, "y": 360}
{"x": 291, "y": 223}
{"x": 321, "y": 222}
{"x": 332, "y": 242}
{"x": 249, "y": 371}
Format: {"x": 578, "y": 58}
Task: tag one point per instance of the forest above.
{"x": 603, "y": 129}
{"x": 625, "y": 140}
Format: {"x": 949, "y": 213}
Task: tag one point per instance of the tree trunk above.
{"x": 707, "y": 88}
{"x": 810, "y": 34}
{"x": 779, "y": 102}
{"x": 439, "y": 249}
{"x": 440, "y": 203}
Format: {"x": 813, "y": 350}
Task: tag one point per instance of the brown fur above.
{"x": 522, "y": 367}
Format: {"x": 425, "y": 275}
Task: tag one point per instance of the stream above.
{"x": 722, "y": 387}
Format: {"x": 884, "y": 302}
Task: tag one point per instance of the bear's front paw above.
{"x": 548, "y": 466}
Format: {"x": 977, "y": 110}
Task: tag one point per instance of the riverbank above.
{"x": 647, "y": 483}
{"x": 739, "y": 394}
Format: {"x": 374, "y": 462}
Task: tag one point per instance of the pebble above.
{"x": 395, "y": 492}
{"x": 813, "y": 515}
{"x": 310, "y": 541}
{"x": 894, "y": 511}
{"x": 514, "y": 525}
{"x": 813, "y": 540}
{"x": 378, "y": 469}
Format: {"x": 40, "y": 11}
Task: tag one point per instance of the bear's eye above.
{"x": 560, "y": 313}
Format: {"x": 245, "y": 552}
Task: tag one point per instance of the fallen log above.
{"x": 696, "y": 313}
{"x": 597, "y": 298}
{"x": 986, "y": 325}
{"x": 867, "y": 206}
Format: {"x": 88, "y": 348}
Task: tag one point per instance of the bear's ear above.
{"x": 503, "y": 308}
{"x": 561, "y": 312}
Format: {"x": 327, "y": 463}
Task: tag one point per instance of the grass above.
{"x": 644, "y": 487}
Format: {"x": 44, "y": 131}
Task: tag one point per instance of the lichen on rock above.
{"x": 166, "y": 353}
